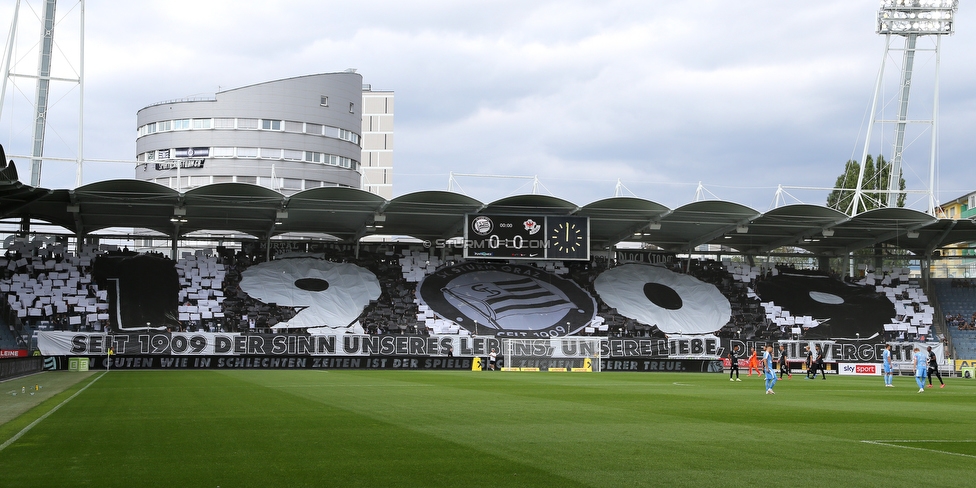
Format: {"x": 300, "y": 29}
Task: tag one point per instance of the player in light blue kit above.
{"x": 886, "y": 365}
{"x": 919, "y": 361}
{"x": 767, "y": 366}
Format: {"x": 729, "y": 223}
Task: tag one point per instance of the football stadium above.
{"x": 202, "y": 325}
{"x": 419, "y": 364}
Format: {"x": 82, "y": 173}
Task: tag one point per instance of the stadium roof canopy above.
{"x": 350, "y": 214}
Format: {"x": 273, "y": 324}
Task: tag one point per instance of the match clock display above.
{"x": 568, "y": 238}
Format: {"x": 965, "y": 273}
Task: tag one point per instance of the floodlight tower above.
{"x": 909, "y": 19}
{"x": 42, "y": 89}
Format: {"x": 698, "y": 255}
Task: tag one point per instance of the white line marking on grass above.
{"x": 46, "y": 415}
{"x": 682, "y": 384}
{"x": 889, "y": 443}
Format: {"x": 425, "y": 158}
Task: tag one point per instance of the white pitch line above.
{"x": 889, "y": 444}
{"x": 46, "y": 415}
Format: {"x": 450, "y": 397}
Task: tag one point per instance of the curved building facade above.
{"x": 288, "y": 135}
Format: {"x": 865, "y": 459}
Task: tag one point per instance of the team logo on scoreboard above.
{"x": 532, "y": 226}
{"x": 482, "y": 225}
{"x": 507, "y": 300}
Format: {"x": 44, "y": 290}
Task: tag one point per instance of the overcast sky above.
{"x": 739, "y": 96}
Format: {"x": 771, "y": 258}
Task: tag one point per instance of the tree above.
{"x": 875, "y": 178}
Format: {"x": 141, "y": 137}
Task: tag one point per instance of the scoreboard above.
{"x": 538, "y": 237}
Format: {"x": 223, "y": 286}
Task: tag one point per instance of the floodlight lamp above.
{"x": 828, "y": 232}
{"x": 919, "y": 17}
{"x": 742, "y": 229}
{"x": 654, "y": 226}
{"x": 281, "y": 214}
{"x": 912, "y": 234}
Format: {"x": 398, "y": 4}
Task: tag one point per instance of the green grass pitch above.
{"x": 465, "y": 429}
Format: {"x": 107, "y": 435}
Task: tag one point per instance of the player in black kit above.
{"x": 821, "y": 366}
{"x": 784, "y": 363}
{"x": 734, "y": 363}
{"x": 811, "y": 365}
{"x": 934, "y": 368}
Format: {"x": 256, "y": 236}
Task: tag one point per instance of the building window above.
{"x": 349, "y": 136}
{"x": 151, "y": 128}
{"x": 291, "y": 184}
{"x": 199, "y": 180}
{"x": 181, "y": 124}
{"x": 270, "y": 124}
{"x": 293, "y": 155}
{"x": 247, "y": 179}
{"x": 324, "y": 101}
{"x": 223, "y": 152}
{"x": 223, "y": 179}
{"x": 202, "y": 123}
{"x": 352, "y": 107}
{"x": 164, "y": 125}
{"x": 291, "y": 126}
{"x": 225, "y": 123}
{"x": 247, "y": 152}
{"x": 162, "y": 154}
{"x": 313, "y": 129}
{"x": 151, "y": 156}
{"x": 247, "y": 123}
{"x": 268, "y": 153}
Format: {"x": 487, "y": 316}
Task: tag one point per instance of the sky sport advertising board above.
{"x": 532, "y": 237}
{"x": 859, "y": 369}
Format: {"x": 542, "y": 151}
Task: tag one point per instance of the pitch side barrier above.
{"x": 148, "y": 362}
{"x": 14, "y": 367}
{"x": 137, "y": 362}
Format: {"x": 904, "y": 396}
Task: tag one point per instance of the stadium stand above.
{"x": 47, "y": 287}
{"x": 957, "y": 300}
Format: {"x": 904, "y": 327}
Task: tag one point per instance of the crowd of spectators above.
{"x": 45, "y": 285}
{"x": 213, "y": 301}
{"x": 960, "y": 322}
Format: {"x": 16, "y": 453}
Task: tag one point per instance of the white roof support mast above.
{"x": 910, "y": 19}
{"x": 43, "y": 78}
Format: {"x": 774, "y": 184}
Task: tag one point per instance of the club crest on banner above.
{"x": 507, "y": 300}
